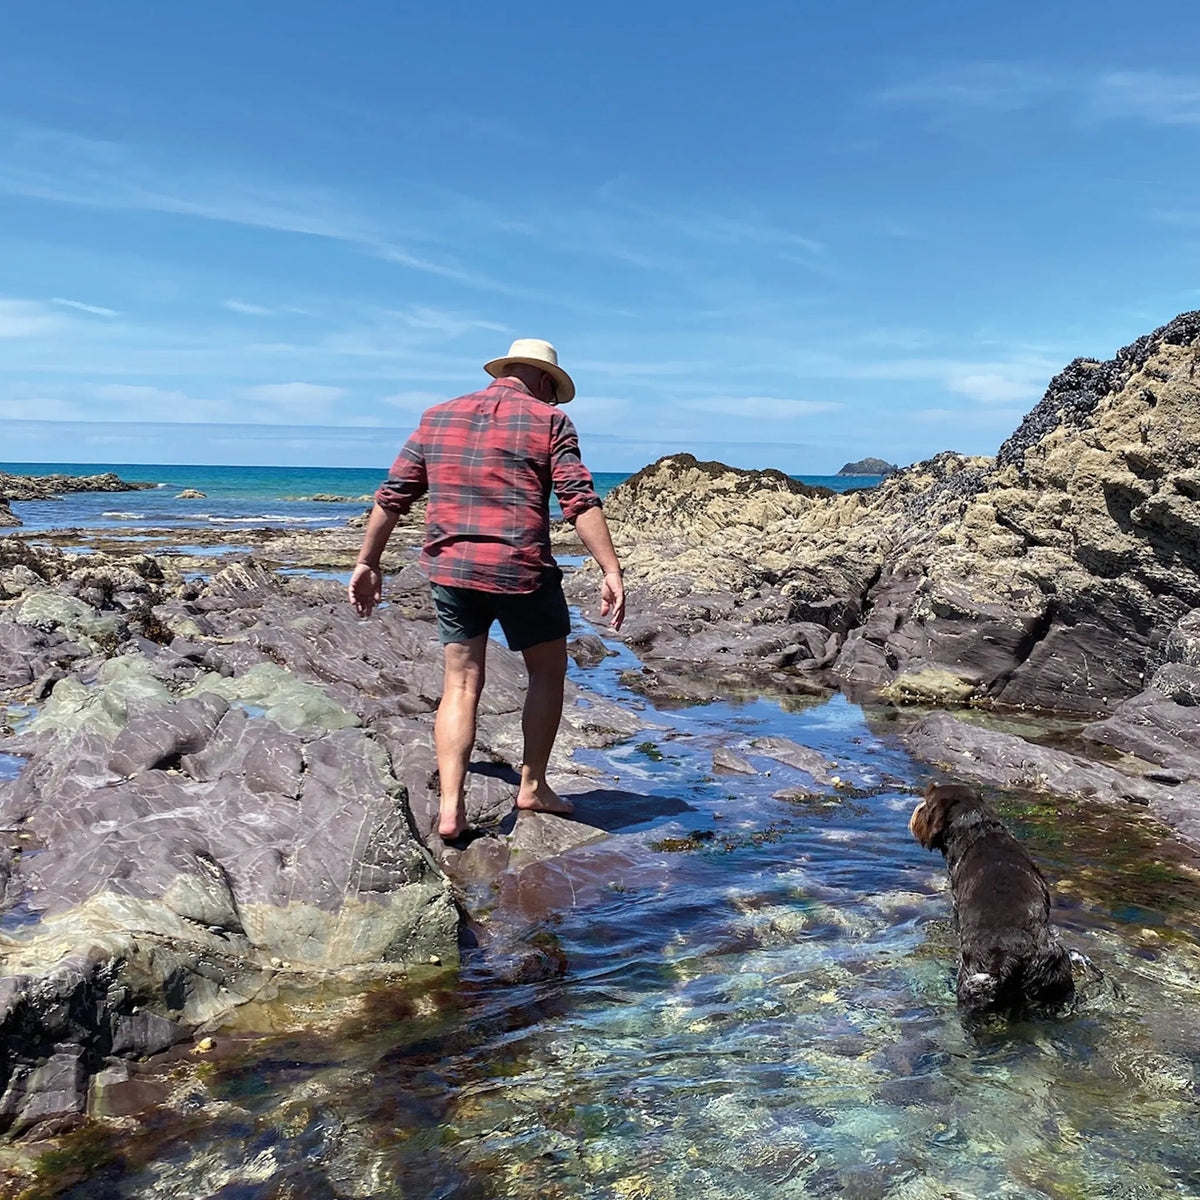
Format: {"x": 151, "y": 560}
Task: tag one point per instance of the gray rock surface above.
{"x": 196, "y": 820}
{"x": 990, "y": 757}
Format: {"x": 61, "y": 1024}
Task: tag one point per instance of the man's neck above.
{"x": 513, "y": 382}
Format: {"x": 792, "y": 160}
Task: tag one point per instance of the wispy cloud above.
{"x": 1007, "y": 87}
{"x": 26, "y": 318}
{"x": 985, "y": 382}
{"x": 42, "y": 408}
{"x": 298, "y": 402}
{"x": 768, "y": 408}
{"x": 96, "y": 310}
{"x": 143, "y": 402}
{"x": 51, "y": 164}
{"x": 993, "y": 86}
{"x": 1148, "y": 95}
{"x": 247, "y": 310}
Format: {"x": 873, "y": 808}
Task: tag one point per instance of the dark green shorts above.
{"x": 528, "y": 618}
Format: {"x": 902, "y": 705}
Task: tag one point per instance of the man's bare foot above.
{"x": 452, "y": 820}
{"x": 543, "y": 798}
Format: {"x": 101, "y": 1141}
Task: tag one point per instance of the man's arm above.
{"x": 366, "y": 584}
{"x": 593, "y": 532}
{"x": 581, "y": 506}
{"x": 407, "y": 481}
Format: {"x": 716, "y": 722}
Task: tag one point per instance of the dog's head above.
{"x": 931, "y": 818}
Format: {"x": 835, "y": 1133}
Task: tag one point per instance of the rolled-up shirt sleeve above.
{"x": 407, "y": 480}
{"x": 571, "y": 479}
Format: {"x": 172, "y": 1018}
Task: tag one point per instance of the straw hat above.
{"x": 536, "y": 353}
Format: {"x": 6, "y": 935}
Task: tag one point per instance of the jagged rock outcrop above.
{"x": 50, "y": 487}
{"x": 8, "y": 518}
{"x": 1049, "y": 577}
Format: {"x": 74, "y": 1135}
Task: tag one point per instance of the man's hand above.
{"x": 612, "y": 599}
{"x": 366, "y": 588}
{"x": 593, "y": 532}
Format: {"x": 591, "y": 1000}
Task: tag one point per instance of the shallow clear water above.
{"x": 757, "y": 1002}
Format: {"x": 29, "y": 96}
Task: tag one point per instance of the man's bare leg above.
{"x": 454, "y": 729}
{"x": 547, "y": 667}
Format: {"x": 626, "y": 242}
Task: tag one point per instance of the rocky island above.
{"x": 217, "y": 786}
{"x": 869, "y": 466}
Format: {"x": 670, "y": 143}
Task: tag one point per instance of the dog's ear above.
{"x": 928, "y": 821}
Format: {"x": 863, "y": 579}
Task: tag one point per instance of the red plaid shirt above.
{"x": 488, "y": 462}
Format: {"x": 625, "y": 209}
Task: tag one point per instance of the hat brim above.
{"x": 564, "y": 385}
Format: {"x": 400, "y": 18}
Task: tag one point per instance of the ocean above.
{"x": 239, "y": 497}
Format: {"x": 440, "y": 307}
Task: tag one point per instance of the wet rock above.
{"x": 1156, "y": 728}
{"x": 158, "y": 738}
{"x": 191, "y": 494}
{"x": 783, "y": 750}
{"x": 537, "y": 836}
{"x": 727, "y": 761}
{"x": 77, "y": 620}
{"x": 986, "y": 756}
{"x": 929, "y": 686}
{"x": 8, "y": 518}
{"x": 588, "y": 650}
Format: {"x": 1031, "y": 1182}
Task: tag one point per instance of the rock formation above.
{"x": 1051, "y": 576}
{"x": 1062, "y": 575}
{"x": 50, "y": 487}
{"x": 869, "y": 466}
{"x": 196, "y": 824}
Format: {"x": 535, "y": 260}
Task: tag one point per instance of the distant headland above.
{"x": 869, "y": 466}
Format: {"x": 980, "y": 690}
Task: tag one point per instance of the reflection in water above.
{"x": 758, "y": 1002}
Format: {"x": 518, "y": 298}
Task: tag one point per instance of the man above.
{"x": 488, "y": 461}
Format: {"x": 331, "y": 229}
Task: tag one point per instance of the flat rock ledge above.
{"x": 213, "y": 794}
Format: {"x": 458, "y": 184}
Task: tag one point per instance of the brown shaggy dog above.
{"x": 1009, "y": 958}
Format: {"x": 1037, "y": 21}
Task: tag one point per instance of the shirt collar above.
{"x": 510, "y": 381}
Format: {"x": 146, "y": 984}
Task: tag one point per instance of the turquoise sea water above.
{"x": 236, "y": 496}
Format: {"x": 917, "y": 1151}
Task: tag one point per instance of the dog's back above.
{"x": 1010, "y": 959}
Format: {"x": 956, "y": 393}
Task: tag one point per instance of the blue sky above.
{"x": 778, "y": 235}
